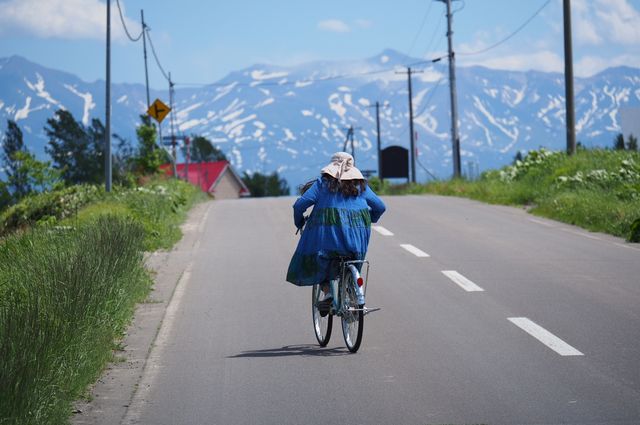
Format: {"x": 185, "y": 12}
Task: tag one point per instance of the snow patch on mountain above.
{"x": 232, "y": 115}
{"x": 88, "y": 102}
{"x": 22, "y": 114}
{"x": 183, "y": 113}
{"x": 223, "y": 91}
{"x": 498, "y": 123}
{"x": 262, "y": 75}
{"x": 265, "y": 102}
{"x": 38, "y": 87}
{"x": 288, "y": 134}
{"x": 336, "y": 105}
{"x": 301, "y": 84}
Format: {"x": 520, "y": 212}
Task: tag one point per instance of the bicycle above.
{"x": 348, "y": 304}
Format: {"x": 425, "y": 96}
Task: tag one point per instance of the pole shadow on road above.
{"x": 294, "y": 350}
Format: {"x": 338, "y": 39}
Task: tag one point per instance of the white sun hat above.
{"x": 341, "y": 167}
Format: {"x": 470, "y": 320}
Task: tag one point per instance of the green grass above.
{"x": 65, "y": 296}
{"x": 68, "y": 287}
{"x": 596, "y": 189}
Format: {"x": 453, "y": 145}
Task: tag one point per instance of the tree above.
{"x": 518, "y": 157}
{"x": 618, "y": 142}
{"x": 12, "y": 146}
{"x": 632, "y": 143}
{"x": 5, "y": 196}
{"x": 39, "y": 175}
{"x": 149, "y": 157}
{"x": 75, "y": 150}
{"x": 265, "y": 185}
{"x": 202, "y": 150}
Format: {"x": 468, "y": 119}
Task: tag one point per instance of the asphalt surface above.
{"x": 237, "y": 344}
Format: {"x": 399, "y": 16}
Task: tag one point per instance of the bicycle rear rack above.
{"x": 345, "y": 266}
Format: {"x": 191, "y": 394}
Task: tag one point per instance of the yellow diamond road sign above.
{"x": 158, "y": 110}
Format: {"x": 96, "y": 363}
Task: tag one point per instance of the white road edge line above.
{"x": 545, "y": 337}
{"x": 541, "y": 222}
{"x": 415, "y": 251}
{"x": 626, "y": 246}
{"x": 382, "y": 231}
{"x": 462, "y": 281}
{"x": 153, "y": 365}
{"x": 586, "y": 235}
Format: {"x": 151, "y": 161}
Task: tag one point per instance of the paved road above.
{"x": 543, "y": 326}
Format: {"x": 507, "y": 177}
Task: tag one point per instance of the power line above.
{"x": 425, "y": 168}
{"x": 153, "y": 50}
{"x": 124, "y": 25}
{"x": 537, "y": 12}
{"x": 433, "y": 37}
{"x": 424, "y": 106}
{"x": 424, "y": 20}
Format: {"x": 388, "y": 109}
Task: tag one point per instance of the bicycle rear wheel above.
{"x": 352, "y": 316}
{"x": 321, "y": 325}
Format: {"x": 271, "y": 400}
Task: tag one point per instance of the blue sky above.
{"x": 201, "y": 41}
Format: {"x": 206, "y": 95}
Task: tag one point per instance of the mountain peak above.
{"x": 391, "y": 57}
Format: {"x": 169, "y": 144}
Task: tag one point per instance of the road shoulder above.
{"x": 110, "y": 397}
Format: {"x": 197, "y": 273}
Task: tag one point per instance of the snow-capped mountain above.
{"x": 291, "y": 119}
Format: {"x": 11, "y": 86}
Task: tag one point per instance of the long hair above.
{"x": 347, "y": 188}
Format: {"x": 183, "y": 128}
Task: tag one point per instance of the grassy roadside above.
{"x": 68, "y": 287}
{"x": 598, "y": 189}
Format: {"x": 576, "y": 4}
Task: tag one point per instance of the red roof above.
{"x": 205, "y": 174}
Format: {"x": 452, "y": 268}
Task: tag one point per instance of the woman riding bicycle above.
{"x": 339, "y": 225}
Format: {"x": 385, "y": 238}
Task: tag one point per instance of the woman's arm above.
{"x": 375, "y": 203}
{"x": 307, "y": 199}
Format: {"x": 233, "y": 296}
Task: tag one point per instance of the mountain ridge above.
{"x": 291, "y": 118}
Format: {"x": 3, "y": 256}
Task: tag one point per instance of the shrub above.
{"x": 48, "y": 207}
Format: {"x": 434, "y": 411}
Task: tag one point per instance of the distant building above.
{"x": 216, "y": 178}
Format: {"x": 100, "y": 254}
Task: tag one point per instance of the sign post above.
{"x": 158, "y": 111}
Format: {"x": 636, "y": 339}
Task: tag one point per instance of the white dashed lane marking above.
{"x": 462, "y": 281}
{"x": 545, "y": 337}
{"x": 415, "y": 251}
{"x": 382, "y": 231}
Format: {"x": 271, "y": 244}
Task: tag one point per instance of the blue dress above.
{"x": 338, "y": 226}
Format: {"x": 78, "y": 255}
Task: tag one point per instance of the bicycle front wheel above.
{"x": 321, "y": 325}
{"x": 352, "y": 316}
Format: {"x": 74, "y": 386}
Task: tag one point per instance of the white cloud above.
{"x": 605, "y": 21}
{"x": 591, "y": 65}
{"x": 334, "y": 25}
{"x": 584, "y": 28}
{"x": 543, "y": 60}
{"x": 620, "y": 20}
{"x": 66, "y": 19}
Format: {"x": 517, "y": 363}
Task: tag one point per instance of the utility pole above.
{"x": 187, "y": 143}
{"x": 568, "y": 79}
{"x": 455, "y": 137}
{"x": 173, "y": 136}
{"x": 377, "y": 106}
{"x": 411, "y": 137}
{"x": 107, "y": 128}
{"x": 144, "y": 47}
{"x": 347, "y": 140}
